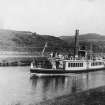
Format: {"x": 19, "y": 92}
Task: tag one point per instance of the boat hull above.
{"x": 50, "y": 72}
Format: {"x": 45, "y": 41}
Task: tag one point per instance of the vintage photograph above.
{"x": 52, "y": 52}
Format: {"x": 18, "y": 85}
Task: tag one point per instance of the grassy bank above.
{"x": 13, "y": 58}
{"x": 90, "y": 97}
{"x": 16, "y": 61}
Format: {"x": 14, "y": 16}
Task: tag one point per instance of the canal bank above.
{"x": 90, "y": 97}
{"x": 14, "y": 58}
{"x": 15, "y": 61}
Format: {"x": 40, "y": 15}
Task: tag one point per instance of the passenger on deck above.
{"x": 57, "y": 64}
{"x": 51, "y": 54}
{"x": 53, "y": 65}
{"x": 60, "y": 56}
{"x": 60, "y": 64}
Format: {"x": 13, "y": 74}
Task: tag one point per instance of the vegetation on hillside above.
{"x": 90, "y": 40}
{"x": 24, "y": 41}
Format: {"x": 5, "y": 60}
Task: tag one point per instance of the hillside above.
{"x": 96, "y": 40}
{"x": 84, "y": 37}
{"x": 23, "y": 41}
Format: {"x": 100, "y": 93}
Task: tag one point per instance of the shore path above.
{"x": 90, "y": 97}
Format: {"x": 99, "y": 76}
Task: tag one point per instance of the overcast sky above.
{"x": 55, "y": 17}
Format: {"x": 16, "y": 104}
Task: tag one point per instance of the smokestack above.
{"x": 76, "y": 42}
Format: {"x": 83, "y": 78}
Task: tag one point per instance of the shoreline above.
{"x": 16, "y": 61}
{"x": 94, "y": 96}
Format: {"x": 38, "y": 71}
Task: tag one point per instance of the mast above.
{"x": 91, "y": 50}
{"x": 44, "y": 48}
{"x": 76, "y": 48}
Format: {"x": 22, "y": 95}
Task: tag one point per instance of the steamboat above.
{"x": 57, "y": 64}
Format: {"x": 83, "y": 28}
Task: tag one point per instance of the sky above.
{"x": 54, "y": 17}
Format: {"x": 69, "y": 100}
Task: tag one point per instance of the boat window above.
{"x": 69, "y": 64}
{"x": 80, "y": 64}
{"x": 93, "y": 64}
{"x": 75, "y": 64}
{"x": 101, "y": 63}
{"x": 96, "y": 63}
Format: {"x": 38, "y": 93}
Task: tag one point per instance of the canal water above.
{"x": 16, "y": 86}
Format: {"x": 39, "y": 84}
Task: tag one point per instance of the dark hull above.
{"x": 60, "y": 72}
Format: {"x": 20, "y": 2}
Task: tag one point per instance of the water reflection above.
{"x": 49, "y": 87}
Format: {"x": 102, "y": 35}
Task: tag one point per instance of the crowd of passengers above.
{"x": 71, "y": 57}
{"x": 67, "y": 57}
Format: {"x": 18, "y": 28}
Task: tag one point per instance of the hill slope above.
{"x": 84, "y": 37}
{"x": 24, "y": 41}
{"x": 97, "y": 41}
{"x": 28, "y": 41}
